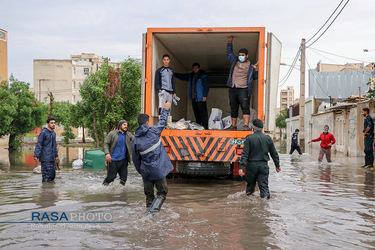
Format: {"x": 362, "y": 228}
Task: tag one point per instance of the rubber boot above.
{"x": 156, "y": 205}
{"x": 371, "y": 160}
{"x": 367, "y": 161}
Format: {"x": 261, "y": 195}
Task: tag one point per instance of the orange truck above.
{"x": 209, "y": 152}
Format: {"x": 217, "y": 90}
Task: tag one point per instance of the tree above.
{"x": 109, "y": 95}
{"x": 62, "y": 112}
{"x": 20, "y": 111}
{"x": 280, "y": 121}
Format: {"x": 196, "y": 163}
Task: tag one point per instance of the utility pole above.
{"x": 302, "y": 97}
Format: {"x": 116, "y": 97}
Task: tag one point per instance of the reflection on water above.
{"x": 25, "y": 158}
{"x": 48, "y": 195}
{"x": 312, "y": 206}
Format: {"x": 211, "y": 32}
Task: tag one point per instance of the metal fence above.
{"x": 339, "y": 84}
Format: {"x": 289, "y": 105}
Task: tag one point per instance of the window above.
{"x": 74, "y": 70}
{"x": 74, "y": 98}
{"x": 74, "y": 84}
{"x": 86, "y": 71}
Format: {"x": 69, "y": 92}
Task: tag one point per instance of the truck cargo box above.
{"x": 207, "y": 46}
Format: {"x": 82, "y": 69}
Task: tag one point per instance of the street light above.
{"x": 284, "y": 64}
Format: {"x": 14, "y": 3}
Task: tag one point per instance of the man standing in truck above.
{"x": 241, "y": 75}
{"x": 151, "y": 159}
{"x": 198, "y": 92}
{"x": 117, "y": 149}
{"x": 165, "y": 84}
{"x": 255, "y": 156}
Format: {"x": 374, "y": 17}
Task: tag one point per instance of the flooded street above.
{"x": 312, "y": 206}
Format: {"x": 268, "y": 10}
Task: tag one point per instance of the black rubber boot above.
{"x": 367, "y": 161}
{"x": 156, "y": 205}
{"x": 122, "y": 182}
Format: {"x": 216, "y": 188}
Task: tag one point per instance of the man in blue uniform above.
{"x": 295, "y": 145}
{"x": 199, "y": 87}
{"x": 151, "y": 160}
{"x": 368, "y": 133}
{"x": 46, "y": 151}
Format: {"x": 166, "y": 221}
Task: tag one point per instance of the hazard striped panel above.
{"x": 190, "y": 148}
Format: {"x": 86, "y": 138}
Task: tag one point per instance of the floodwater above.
{"x": 312, "y": 206}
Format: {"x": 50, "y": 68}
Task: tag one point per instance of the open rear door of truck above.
{"x": 272, "y": 81}
{"x": 144, "y": 36}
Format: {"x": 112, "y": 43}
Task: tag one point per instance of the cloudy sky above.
{"x": 41, "y": 29}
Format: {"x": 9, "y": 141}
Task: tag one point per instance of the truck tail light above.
{"x": 168, "y": 149}
{"x": 239, "y": 151}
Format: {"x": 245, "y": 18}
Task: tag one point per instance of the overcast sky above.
{"x": 57, "y": 29}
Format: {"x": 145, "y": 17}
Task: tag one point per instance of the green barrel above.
{"x": 94, "y": 159}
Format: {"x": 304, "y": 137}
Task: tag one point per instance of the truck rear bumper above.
{"x": 203, "y": 168}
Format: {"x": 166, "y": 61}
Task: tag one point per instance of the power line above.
{"x": 339, "y": 55}
{"x": 287, "y": 75}
{"x": 329, "y": 25}
{"x": 324, "y": 56}
{"x": 316, "y": 79}
{"x": 325, "y": 22}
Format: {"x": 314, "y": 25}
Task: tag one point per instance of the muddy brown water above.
{"x": 312, "y": 206}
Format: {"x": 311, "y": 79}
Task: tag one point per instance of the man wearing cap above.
{"x": 240, "y": 80}
{"x": 255, "y": 156}
{"x": 117, "y": 149}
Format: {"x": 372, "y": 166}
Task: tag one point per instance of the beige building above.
{"x": 53, "y": 76}
{"x": 325, "y": 67}
{"x": 63, "y": 78}
{"x": 286, "y": 97}
{"x": 3, "y": 55}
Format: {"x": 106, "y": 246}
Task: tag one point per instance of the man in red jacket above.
{"x": 327, "y": 140}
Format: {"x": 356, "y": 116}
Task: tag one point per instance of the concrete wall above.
{"x": 54, "y": 76}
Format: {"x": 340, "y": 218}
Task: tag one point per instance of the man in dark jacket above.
{"x": 255, "y": 157}
{"x": 46, "y": 151}
{"x": 241, "y": 75}
{"x": 368, "y": 133}
{"x": 198, "y": 92}
{"x": 151, "y": 160}
{"x": 165, "y": 83}
{"x": 117, "y": 149}
{"x": 295, "y": 145}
